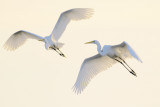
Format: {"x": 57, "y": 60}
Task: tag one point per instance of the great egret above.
{"x": 105, "y": 58}
{"x": 51, "y": 41}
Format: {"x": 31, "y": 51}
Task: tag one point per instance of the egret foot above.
{"x": 61, "y": 54}
{"x": 132, "y": 72}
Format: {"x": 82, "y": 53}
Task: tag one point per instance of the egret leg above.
{"x": 132, "y": 72}
{"x": 57, "y": 50}
{"x": 61, "y": 54}
{"x": 125, "y": 62}
{"x": 128, "y": 66}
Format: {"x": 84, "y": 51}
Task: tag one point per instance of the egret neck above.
{"x": 99, "y": 48}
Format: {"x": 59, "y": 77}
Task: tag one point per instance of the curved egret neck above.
{"x": 99, "y": 48}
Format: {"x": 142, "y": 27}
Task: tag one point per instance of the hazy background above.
{"x": 34, "y": 77}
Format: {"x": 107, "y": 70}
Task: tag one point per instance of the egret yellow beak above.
{"x": 89, "y": 42}
{"x": 41, "y": 40}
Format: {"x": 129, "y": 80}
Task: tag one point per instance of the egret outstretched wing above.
{"x": 91, "y": 67}
{"x": 125, "y": 51}
{"x": 18, "y": 39}
{"x": 66, "y": 17}
{"x": 132, "y": 52}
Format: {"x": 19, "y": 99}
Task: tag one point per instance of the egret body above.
{"x": 105, "y": 58}
{"x": 51, "y": 41}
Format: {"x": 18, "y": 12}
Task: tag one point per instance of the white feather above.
{"x": 124, "y": 50}
{"x": 66, "y": 17}
{"x": 19, "y": 38}
{"x": 90, "y": 68}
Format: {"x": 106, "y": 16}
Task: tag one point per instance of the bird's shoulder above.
{"x": 92, "y": 58}
{"x": 20, "y": 32}
{"x": 120, "y": 46}
{"x": 106, "y": 48}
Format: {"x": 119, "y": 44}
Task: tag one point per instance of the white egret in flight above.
{"x": 105, "y": 58}
{"x": 51, "y": 41}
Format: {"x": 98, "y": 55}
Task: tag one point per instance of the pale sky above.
{"x": 34, "y": 77}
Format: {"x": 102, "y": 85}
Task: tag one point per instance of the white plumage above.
{"x": 51, "y": 41}
{"x": 66, "y": 17}
{"x": 18, "y": 39}
{"x": 105, "y": 58}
